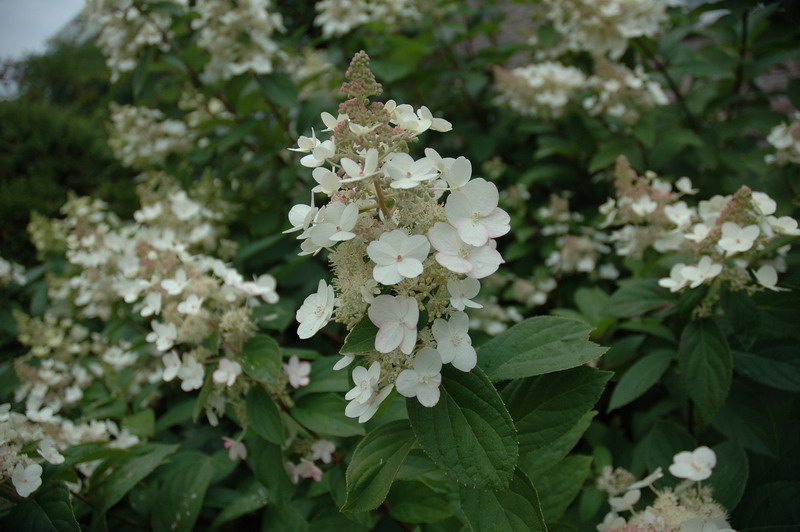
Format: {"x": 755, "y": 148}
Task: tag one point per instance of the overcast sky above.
{"x": 25, "y": 25}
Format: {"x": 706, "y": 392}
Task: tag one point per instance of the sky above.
{"x": 25, "y": 25}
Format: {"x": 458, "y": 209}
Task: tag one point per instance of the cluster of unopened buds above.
{"x": 397, "y": 253}
{"x": 688, "y": 507}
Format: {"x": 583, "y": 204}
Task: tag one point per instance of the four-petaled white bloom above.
{"x": 626, "y": 502}
{"x": 191, "y": 374}
{"x": 644, "y": 206}
{"x": 355, "y": 171}
{"x": 462, "y": 291}
{"x": 684, "y": 185}
{"x": 767, "y": 277}
{"x": 328, "y": 182}
{"x": 301, "y": 216}
{"x": 693, "y": 465}
{"x": 334, "y": 223}
{"x": 408, "y": 173}
{"x": 676, "y": 280}
{"x": 459, "y": 257}
{"x": 364, "y": 411}
{"x": 366, "y": 383}
{"x": 453, "y": 341}
{"x": 49, "y": 451}
{"x": 396, "y": 318}
{"x": 191, "y": 305}
{"x": 163, "y": 335}
{"x": 473, "y": 211}
{"x": 737, "y": 239}
{"x": 764, "y": 204}
{"x": 316, "y": 311}
{"x": 26, "y": 479}
{"x": 423, "y": 381}
{"x": 172, "y": 365}
{"x": 297, "y": 372}
{"x": 397, "y": 256}
{"x": 323, "y": 450}
{"x": 236, "y": 449}
{"x": 785, "y": 225}
{"x": 175, "y": 286}
{"x": 702, "y": 272}
{"x": 319, "y": 154}
{"x": 306, "y": 144}
{"x": 227, "y": 371}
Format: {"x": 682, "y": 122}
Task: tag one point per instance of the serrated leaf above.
{"x": 324, "y": 413}
{"x": 747, "y": 419}
{"x": 469, "y": 432}
{"x": 561, "y": 484}
{"x": 375, "y": 463}
{"x": 514, "y": 510}
{"x": 640, "y": 377}
{"x": 49, "y": 510}
{"x": 706, "y": 365}
{"x": 181, "y": 495}
{"x": 361, "y": 339}
{"x": 283, "y": 518}
{"x": 635, "y": 298}
{"x": 536, "y": 346}
{"x": 545, "y": 408}
{"x": 261, "y": 359}
{"x": 263, "y": 416}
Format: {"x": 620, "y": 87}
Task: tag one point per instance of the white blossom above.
{"x": 473, "y": 211}
{"x": 423, "y": 381}
{"x": 693, "y": 465}
{"x": 397, "y": 256}
{"x": 396, "y": 318}
{"x": 316, "y": 311}
{"x": 26, "y": 479}
{"x": 297, "y": 372}
{"x": 453, "y": 341}
{"x": 227, "y": 371}
{"x": 462, "y": 291}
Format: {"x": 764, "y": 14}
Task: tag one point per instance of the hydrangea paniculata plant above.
{"x": 404, "y": 263}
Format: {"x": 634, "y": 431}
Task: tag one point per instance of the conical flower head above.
{"x": 361, "y": 81}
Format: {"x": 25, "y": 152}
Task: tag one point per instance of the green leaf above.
{"x": 261, "y": 359}
{"x": 706, "y": 365}
{"x": 640, "y": 377}
{"x": 141, "y": 423}
{"x": 324, "y": 413}
{"x": 663, "y": 442}
{"x": 374, "y": 465}
{"x": 263, "y": 415}
{"x": 635, "y": 298}
{"x": 414, "y": 502}
{"x": 280, "y": 89}
{"x": 181, "y": 495}
{"x": 469, "y": 432}
{"x": 361, "y": 339}
{"x": 561, "y": 484}
{"x": 49, "y": 510}
{"x": 536, "y": 462}
{"x": 729, "y": 481}
{"x": 128, "y": 473}
{"x": 283, "y": 518}
{"x": 777, "y": 367}
{"x": 743, "y": 315}
{"x": 748, "y": 420}
{"x": 267, "y": 463}
{"x": 250, "y": 498}
{"x": 539, "y": 345}
{"x": 770, "y": 507}
{"x": 545, "y": 408}
{"x": 324, "y": 378}
{"x": 516, "y": 509}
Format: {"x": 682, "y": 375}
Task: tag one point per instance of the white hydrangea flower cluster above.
{"x": 727, "y": 234}
{"x": 540, "y": 89}
{"x": 690, "y": 507}
{"x": 621, "y": 92}
{"x": 785, "y": 138}
{"x": 142, "y": 138}
{"x": 604, "y": 26}
{"x": 128, "y": 26}
{"x": 11, "y": 272}
{"x": 395, "y": 250}
{"x": 222, "y": 24}
{"x": 339, "y": 17}
{"x": 48, "y": 437}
